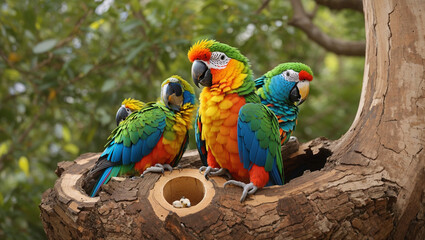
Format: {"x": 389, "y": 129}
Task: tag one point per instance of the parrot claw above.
{"x": 248, "y": 189}
{"x": 134, "y": 177}
{"x": 209, "y": 171}
{"x": 158, "y": 168}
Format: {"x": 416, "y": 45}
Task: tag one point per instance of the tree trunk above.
{"x": 372, "y": 185}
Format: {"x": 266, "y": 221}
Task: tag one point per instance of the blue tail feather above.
{"x": 101, "y": 181}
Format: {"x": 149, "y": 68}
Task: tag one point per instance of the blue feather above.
{"x": 117, "y": 153}
{"x": 101, "y": 181}
{"x": 136, "y": 151}
{"x": 126, "y": 155}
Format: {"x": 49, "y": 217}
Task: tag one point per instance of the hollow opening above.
{"x": 308, "y": 161}
{"x": 188, "y": 187}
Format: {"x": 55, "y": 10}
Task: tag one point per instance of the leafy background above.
{"x": 65, "y": 66}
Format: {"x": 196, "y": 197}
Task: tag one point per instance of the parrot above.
{"x": 149, "y": 140}
{"x": 128, "y": 106}
{"x": 235, "y": 133}
{"x": 283, "y": 89}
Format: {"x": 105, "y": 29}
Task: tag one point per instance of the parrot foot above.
{"x": 158, "y": 168}
{"x": 209, "y": 171}
{"x": 248, "y": 189}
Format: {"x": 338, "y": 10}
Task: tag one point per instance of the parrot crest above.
{"x": 133, "y": 104}
{"x": 128, "y": 106}
{"x": 220, "y": 67}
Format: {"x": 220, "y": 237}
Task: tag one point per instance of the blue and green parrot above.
{"x": 150, "y": 139}
{"x": 283, "y": 89}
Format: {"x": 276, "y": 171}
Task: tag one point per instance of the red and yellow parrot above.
{"x": 234, "y": 131}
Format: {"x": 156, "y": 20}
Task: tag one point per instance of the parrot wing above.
{"x": 137, "y": 135}
{"x": 259, "y": 141}
{"x": 132, "y": 140}
{"x": 259, "y": 82}
{"x": 200, "y": 144}
{"x": 183, "y": 148}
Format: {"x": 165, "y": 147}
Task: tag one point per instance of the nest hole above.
{"x": 308, "y": 161}
{"x": 188, "y": 187}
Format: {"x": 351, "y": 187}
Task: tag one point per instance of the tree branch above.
{"x": 301, "y": 20}
{"x": 264, "y": 5}
{"x": 356, "y": 5}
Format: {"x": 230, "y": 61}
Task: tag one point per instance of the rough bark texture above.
{"x": 372, "y": 185}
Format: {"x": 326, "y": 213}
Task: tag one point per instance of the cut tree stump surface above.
{"x": 340, "y": 202}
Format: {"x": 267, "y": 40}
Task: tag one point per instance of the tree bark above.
{"x": 368, "y": 184}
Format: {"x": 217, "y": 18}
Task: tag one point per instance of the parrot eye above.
{"x": 219, "y": 60}
{"x": 290, "y": 75}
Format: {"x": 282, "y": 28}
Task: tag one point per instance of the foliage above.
{"x": 66, "y": 65}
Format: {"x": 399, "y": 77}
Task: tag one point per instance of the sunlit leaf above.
{"x": 24, "y": 165}
{"x": 71, "y": 148}
{"x": 12, "y": 74}
{"x": 44, "y": 46}
{"x": 4, "y": 147}
{"x": 96, "y": 24}
{"x": 66, "y": 134}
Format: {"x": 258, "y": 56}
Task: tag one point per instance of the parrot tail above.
{"x": 96, "y": 173}
{"x": 107, "y": 174}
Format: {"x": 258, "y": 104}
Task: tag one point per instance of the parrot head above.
{"x": 128, "y": 106}
{"x": 292, "y": 80}
{"x": 218, "y": 65}
{"x": 177, "y": 93}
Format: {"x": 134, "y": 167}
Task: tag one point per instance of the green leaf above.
{"x": 108, "y": 85}
{"x": 87, "y": 68}
{"x": 131, "y": 25}
{"x": 135, "y": 51}
{"x": 44, "y": 46}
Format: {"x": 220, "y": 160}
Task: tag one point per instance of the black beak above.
{"x": 121, "y": 115}
{"x": 201, "y": 74}
{"x": 173, "y": 96}
{"x": 294, "y": 95}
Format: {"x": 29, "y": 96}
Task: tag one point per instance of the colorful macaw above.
{"x": 283, "y": 89}
{"x": 128, "y": 106}
{"x": 234, "y": 131}
{"x": 150, "y": 139}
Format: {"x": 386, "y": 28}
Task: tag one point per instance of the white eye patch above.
{"x": 290, "y": 75}
{"x": 218, "y": 60}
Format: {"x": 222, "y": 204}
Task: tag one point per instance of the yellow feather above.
{"x": 211, "y": 111}
{"x": 217, "y": 98}
{"x": 238, "y": 81}
{"x": 225, "y": 104}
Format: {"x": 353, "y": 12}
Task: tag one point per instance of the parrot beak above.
{"x": 300, "y": 92}
{"x": 201, "y": 74}
{"x": 172, "y": 96}
{"x": 121, "y": 114}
